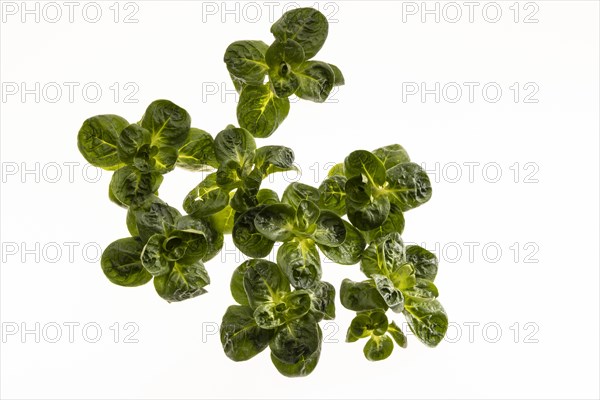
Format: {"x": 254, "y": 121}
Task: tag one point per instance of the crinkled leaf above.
{"x": 396, "y": 333}
{"x": 168, "y": 123}
{"x": 392, "y": 296}
{"x": 300, "y": 262}
{"x": 267, "y": 196}
{"x": 295, "y": 192}
{"x": 97, "y": 140}
{"x": 234, "y": 145}
{"x": 260, "y": 111}
{"x": 323, "y": 300}
{"x": 427, "y": 320}
{"x": 155, "y": 216}
{"x": 241, "y": 338}
{"x": 423, "y": 290}
{"x": 306, "y": 26}
{"x": 383, "y": 256}
{"x": 316, "y": 79}
{"x": 296, "y": 341}
{"x": 198, "y": 152}
{"x": 307, "y": 214}
{"x": 424, "y": 261}
{"x": 122, "y": 265}
{"x": 339, "y": 77}
{"x": 350, "y": 251}
{"x": 207, "y": 198}
{"x": 245, "y": 60}
{"x": 269, "y": 159}
{"x": 214, "y": 238}
{"x": 409, "y": 186}
{"x": 153, "y": 257}
{"x": 130, "y": 186}
{"x": 264, "y": 282}
{"x": 330, "y": 231}
{"x": 332, "y": 194}
{"x": 223, "y": 220}
{"x": 130, "y": 140}
{"x": 378, "y": 348}
{"x": 393, "y": 223}
{"x": 366, "y": 164}
{"x": 182, "y": 282}
{"x": 283, "y": 57}
{"x": 247, "y": 238}
{"x": 276, "y": 222}
{"x": 361, "y": 296}
{"x": 368, "y": 216}
{"x": 392, "y": 155}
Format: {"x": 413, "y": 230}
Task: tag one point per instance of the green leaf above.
{"x": 295, "y": 192}
{"x": 339, "y": 77}
{"x": 392, "y": 296}
{"x": 267, "y": 197}
{"x": 316, "y": 80}
{"x": 323, "y": 300}
{"x": 366, "y": 164}
{"x": 424, "y": 261}
{"x": 97, "y": 140}
{"x": 360, "y": 327}
{"x": 182, "y": 282}
{"x": 332, "y": 194}
{"x": 155, "y": 217}
{"x": 367, "y": 216}
{"x": 223, "y": 220}
{"x": 350, "y": 251}
{"x": 337, "y": 169}
{"x": 168, "y": 123}
{"x": 283, "y": 57}
{"x": 113, "y": 198}
{"x": 300, "y": 262}
{"x": 207, "y": 198}
{"x": 392, "y": 155}
{"x": 378, "y": 348}
{"x": 294, "y": 305}
{"x": 131, "y": 223}
{"x": 241, "y": 338}
{"x": 393, "y": 223}
{"x": 330, "y": 231}
{"x": 396, "y": 333}
{"x": 198, "y": 152}
{"x": 214, "y": 238}
{"x": 234, "y": 145}
{"x": 383, "y": 256}
{"x": 153, "y": 258}
{"x": 122, "y": 265}
{"x": 130, "y": 140}
{"x": 260, "y": 111}
{"x": 130, "y": 186}
{"x": 270, "y": 159}
{"x": 247, "y": 238}
{"x": 236, "y": 284}
{"x": 427, "y": 320}
{"x": 245, "y": 61}
{"x": 306, "y": 26}
{"x": 264, "y": 282}
{"x": 298, "y": 303}
{"x": 276, "y": 222}
{"x": 245, "y": 195}
{"x": 296, "y": 341}
{"x": 361, "y": 296}
{"x": 307, "y": 214}
{"x": 409, "y": 186}
{"x": 303, "y": 367}
{"x": 423, "y": 290}
{"x": 185, "y": 246}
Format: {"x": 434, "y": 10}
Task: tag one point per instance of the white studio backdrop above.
{"x": 498, "y": 100}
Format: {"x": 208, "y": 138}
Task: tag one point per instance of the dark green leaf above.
{"x": 316, "y": 80}
{"x": 383, "y": 256}
{"x": 122, "y": 265}
{"x": 392, "y": 296}
{"x": 350, "y": 251}
{"x": 260, "y": 111}
{"x": 168, "y": 123}
{"x": 300, "y": 262}
{"x": 296, "y": 341}
{"x": 185, "y": 246}
{"x": 198, "y": 152}
{"x": 155, "y": 217}
{"x": 97, "y": 140}
{"x": 223, "y": 220}
{"x": 234, "y": 145}
{"x": 264, "y": 282}
{"x": 247, "y": 238}
{"x": 245, "y": 61}
{"x": 378, "y": 348}
{"x": 409, "y": 185}
{"x": 283, "y": 57}
{"x": 241, "y": 338}
{"x": 303, "y": 367}
{"x": 269, "y": 159}
{"x": 306, "y": 26}
{"x": 214, "y": 238}
{"x": 368, "y": 216}
{"x": 427, "y": 320}
{"x": 296, "y": 192}
{"x": 130, "y": 140}
{"x": 236, "y": 284}
{"x": 393, "y": 223}
{"x": 332, "y": 194}
{"x": 131, "y": 223}
{"x": 360, "y": 327}
{"x": 339, "y": 77}
{"x": 267, "y": 196}
{"x": 392, "y": 155}
{"x": 276, "y": 222}
{"x": 153, "y": 258}
{"x": 323, "y": 300}
{"x": 366, "y": 164}
{"x": 423, "y": 290}
{"x": 182, "y": 282}
{"x": 425, "y": 262}
{"x": 330, "y": 231}
{"x": 207, "y": 198}
{"x": 130, "y": 186}
{"x": 361, "y": 296}
{"x": 307, "y": 214}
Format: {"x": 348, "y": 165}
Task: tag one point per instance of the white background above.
{"x": 548, "y": 280}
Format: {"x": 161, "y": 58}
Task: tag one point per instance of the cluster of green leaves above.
{"x": 355, "y": 216}
{"x": 266, "y": 76}
{"x": 271, "y": 314}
